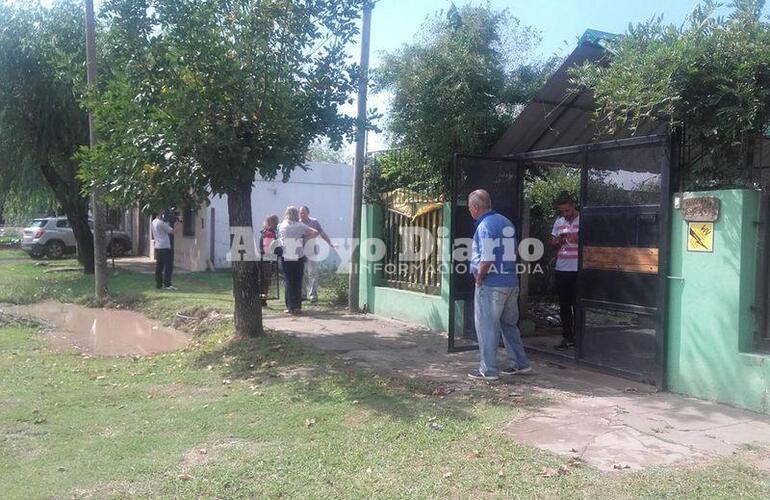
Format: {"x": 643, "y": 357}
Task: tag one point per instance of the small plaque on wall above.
{"x": 701, "y": 209}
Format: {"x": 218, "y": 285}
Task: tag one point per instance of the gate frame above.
{"x": 670, "y": 144}
{"x": 451, "y": 347}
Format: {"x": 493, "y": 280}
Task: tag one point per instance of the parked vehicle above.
{"x": 52, "y": 237}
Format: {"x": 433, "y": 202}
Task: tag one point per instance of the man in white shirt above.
{"x": 312, "y": 271}
{"x": 292, "y": 235}
{"x": 164, "y": 254}
{"x": 564, "y": 239}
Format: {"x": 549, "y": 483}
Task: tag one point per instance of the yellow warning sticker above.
{"x": 700, "y": 237}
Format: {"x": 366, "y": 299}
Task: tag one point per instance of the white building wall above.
{"x": 192, "y": 252}
{"x": 326, "y": 188}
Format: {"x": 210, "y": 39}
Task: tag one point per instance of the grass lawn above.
{"x": 23, "y": 280}
{"x": 268, "y": 418}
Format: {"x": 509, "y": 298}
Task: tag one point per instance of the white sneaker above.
{"x": 170, "y": 288}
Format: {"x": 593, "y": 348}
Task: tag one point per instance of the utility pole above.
{"x": 97, "y": 207}
{"x": 358, "y": 177}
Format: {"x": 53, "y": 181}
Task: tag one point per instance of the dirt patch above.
{"x": 107, "y": 490}
{"x": 358, "y": 420}
{"x": 207, "y": 452}
{"x": 199, "y": 320}
{"x": 11, "y": 320}
{"x": 101, "y": 332}
{"x": 19, "y": 442}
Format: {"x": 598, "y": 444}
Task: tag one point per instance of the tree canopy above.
{"x": 711, "y": 74}
{"x": 42, "y": 123}
{"x": 203, "y": 95}
{"x": 457, "y": 88}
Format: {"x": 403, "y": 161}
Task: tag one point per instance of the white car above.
{"x": 52, "y": 237}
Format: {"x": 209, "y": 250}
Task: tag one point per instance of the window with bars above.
{"x": 188, "y": 222}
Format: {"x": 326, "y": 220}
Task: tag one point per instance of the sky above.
{"x": 560, "y": 23}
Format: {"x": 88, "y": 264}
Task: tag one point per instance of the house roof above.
{"x": 556, "y": 116}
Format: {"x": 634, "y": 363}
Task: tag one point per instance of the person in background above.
{"x": 312, "y": 265}
{"x": 267, "y": 252}
{"x": 496, "y": 298}
{"x": 564, "y": 239}
{"x": 291, "y": 235}
{"x": 164, "y": 254}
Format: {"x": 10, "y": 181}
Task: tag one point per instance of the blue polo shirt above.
{"x": 495, "y": 241}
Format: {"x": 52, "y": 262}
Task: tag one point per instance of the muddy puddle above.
{"x": 103, "y": 332}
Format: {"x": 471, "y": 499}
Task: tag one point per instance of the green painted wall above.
{"x": 711, "y": 323}
{"x": 431, "y": 311}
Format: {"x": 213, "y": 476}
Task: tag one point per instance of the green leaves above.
{"x": 456, "y": 90}
{"x": 711, "y": 74}
{"x": 42, "y": 125}
{"x": 205, "y": 94}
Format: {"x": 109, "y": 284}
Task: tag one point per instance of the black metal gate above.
{"x": 624, "y": 237}
{"x": 623, "y": 257}
{"x": 501, "y": 178}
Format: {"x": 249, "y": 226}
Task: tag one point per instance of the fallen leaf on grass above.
{"x": 309, "y": 422}
{"x": 554, "y": 471}
{"x": 447, "y": 475}
{"x": 620, "y": 466}
{"x": 442, "y": 391}
{"x": 184, "y": 477}
{"x": 575, "y": 461}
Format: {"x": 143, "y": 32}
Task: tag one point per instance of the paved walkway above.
{"x": 609, "y": 422}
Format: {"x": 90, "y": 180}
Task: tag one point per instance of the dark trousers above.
{"x": 566, "y": 288}
{"x": 164, "y": 266}
{"x": 292, "y": 279}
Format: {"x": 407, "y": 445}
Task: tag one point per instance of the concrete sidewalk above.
{"x": 608, "y": 422}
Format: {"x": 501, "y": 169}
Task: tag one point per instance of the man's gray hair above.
{"x": 480, "y": 199}
{"x": 291, "y": 214}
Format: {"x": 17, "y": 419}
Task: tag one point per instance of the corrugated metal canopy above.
{"x": 557, "y": 117}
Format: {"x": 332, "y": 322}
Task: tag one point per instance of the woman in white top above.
{"x": 291, "y": 236}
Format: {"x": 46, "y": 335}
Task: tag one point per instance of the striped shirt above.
{"x": 567, "y": 256}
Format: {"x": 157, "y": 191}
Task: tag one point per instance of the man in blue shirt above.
{"x": 496, "y": 300}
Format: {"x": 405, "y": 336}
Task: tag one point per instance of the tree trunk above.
{"x": 66, "y": 191}
{"x": 84, "y": 238}
{"x": 246, "y": 286}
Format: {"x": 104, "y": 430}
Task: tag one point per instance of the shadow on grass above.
{"x": 320, "y": 377}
